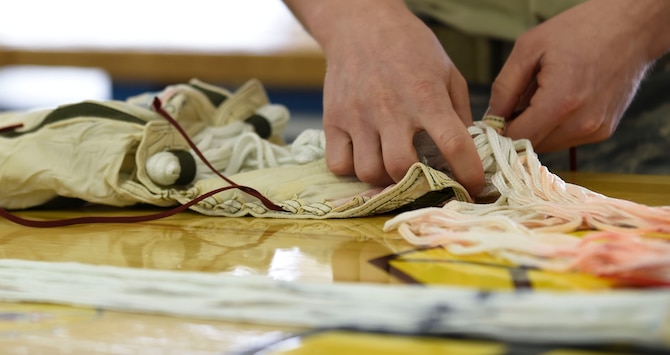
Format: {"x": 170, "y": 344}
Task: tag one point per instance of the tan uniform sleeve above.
{"x": 490, "y": 18}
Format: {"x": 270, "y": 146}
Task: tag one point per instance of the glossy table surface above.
{"x": 164, "y": 42}
{"x": 315, "y": 251}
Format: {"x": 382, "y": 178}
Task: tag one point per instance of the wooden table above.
{"x": 164, "y": 42}
{"x": 315, "y": 251}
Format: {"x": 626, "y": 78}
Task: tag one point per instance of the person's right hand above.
{"x": 388, "y": 78}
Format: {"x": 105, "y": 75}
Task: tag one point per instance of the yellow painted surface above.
{"x": 438, "y": 267}
{"x": 315, "y": 251}
{"x": 337, "y": 342}
{"x": 345, "y": 342}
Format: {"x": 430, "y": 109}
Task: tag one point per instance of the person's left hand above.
{"x": 572, "y": 77}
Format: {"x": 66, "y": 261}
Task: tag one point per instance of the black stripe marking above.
{"x": 83, "y": 109}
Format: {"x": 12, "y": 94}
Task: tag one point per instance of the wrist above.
{"x": 331, "y": 22}
{"x": 660, "y": 35}
{"x": 650, "y": 23}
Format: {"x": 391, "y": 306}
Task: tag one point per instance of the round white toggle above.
{"x": 163, "y": 168}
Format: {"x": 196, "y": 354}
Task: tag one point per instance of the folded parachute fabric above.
{"x": 123, "y": 153}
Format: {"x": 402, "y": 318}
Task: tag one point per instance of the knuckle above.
{"x": 454, "y": 145}
{"x": 590, "y": 128}
{"x": 354, "y": 104}
{"x": 459, "y": 82}
{"x": 524, "y": 42}
{"x": 386, "y": 101}
{"x": 595, "y": 130}
{"x": 378, "y": 111}
{"x": 332, "y": 114}
{"x": 423, "y": 85}
{"x": 431, "y": 100}
{"x": 426, "y": 90}
{"x": 499, "y": 88}
{"x": 338, "y": 165}
{"x": 568, "y": 104}
{"x": 600, "y": 136}
{"x": 372, "y": 175}
{"x": 398, "y": 168}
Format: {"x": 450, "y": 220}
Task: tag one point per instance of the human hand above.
{"x": 388, "y": 78}
{"x": 574, "y": 75}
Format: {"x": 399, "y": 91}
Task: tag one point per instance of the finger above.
{"x": 577, "y": 131}
{"x": 460, "y": 98}
{"x": 458, "y": 149}
{"x": 339, "y": 152}
{"x": 544, "y": 115}
{"x": 515, "y": 79}
{"x": 555, "y": 141}
{"x": 368, "y": 158}
{"x": 398, "y": 152}
{"x": 448, "y": 131}
{"x": 524, "y": 100}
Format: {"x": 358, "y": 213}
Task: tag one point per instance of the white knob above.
{"x": 163, "y": 168}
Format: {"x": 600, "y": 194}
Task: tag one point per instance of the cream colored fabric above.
{"x": 312, "y": 191}
{"x": 83, "y": 157}
{"x": 98, "y": 152}
{"x": 505, "y": 19}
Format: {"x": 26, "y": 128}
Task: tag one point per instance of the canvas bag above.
{"x": 97, "y": 152}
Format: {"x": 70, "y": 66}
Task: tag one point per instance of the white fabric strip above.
{"x": 617, "y": 316}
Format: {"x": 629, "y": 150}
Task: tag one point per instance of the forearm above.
{"x": 659, "y": 25}
{"x": 646, "y": 22}
{"x": 327, "y": 20}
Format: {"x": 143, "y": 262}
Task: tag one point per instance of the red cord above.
{"x": 11, "y": 127}
{"x": 628, "y": 281}
{"x": 266, "y": 202}
{"x": 106, "y": 219}
{"x": 573, "y": 159}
